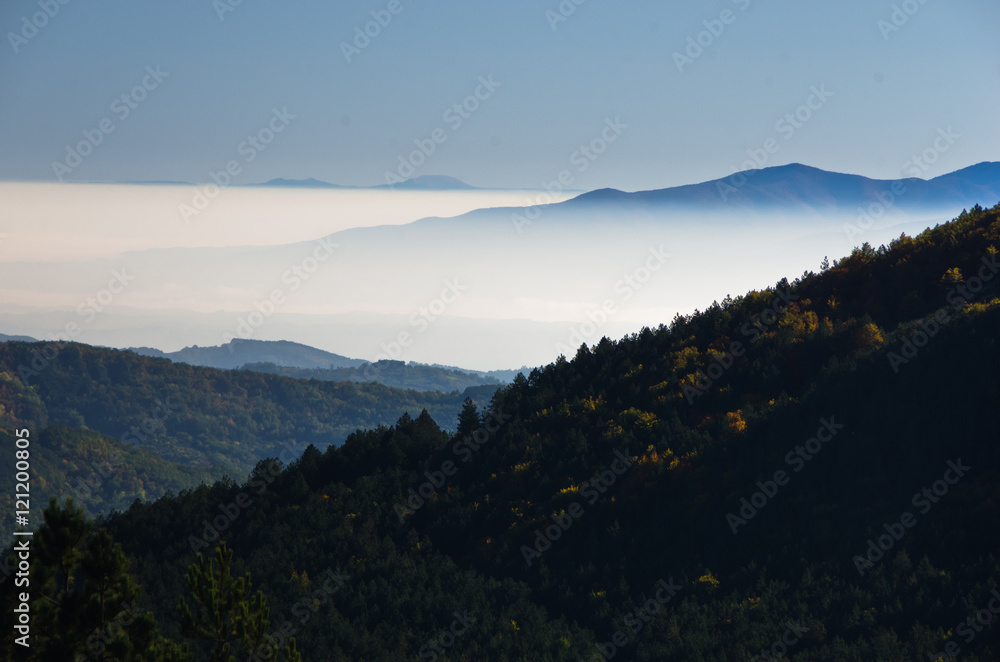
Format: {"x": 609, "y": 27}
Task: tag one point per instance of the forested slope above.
{"x": 194, "y": 415}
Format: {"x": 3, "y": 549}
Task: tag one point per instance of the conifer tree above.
{"x": 86, "y": 605}
{"x": 468, "y": 419}
{"x": 229, "y": 612}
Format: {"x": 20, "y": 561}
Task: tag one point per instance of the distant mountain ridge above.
{"x": 292, "y": 359}
{"x": 421, "y": 183}
{"x": 796, "y": 187}
{"x": 299, "y": 183}
{"x": 5, "y": 338}
{"x": 238, "y": 352}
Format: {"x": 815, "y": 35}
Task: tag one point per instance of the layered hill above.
{"x": 195, "y": 416}
{"x": 810, "y": 470}
{"x": 396, "y": 374}
{"x": 799, "y": 188}
{"x": 304, "y": 362}
{"x": 240, "y": 351}
{"x": 495, "y": 292}
{"x": 99, "y": 473}
{"x": 421, "y": 183}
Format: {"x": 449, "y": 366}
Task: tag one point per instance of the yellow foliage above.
{"x": 800, "y": 324}
{"x": 735, "y": 422}
{"x": 651, "y": 456}
{"x": 709, "y": 580}
{"x": 869, "y": 336}
{"x": 685, "y": 358}
{"x": 975, "y": 308}
{"x": 642, "y": 419}
{"x": 953, "y": 275}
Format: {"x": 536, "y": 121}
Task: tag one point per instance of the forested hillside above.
{"x": 810, "y": 471}
{"x": 397, "y": 374}
{"x": 100, "y": 473}
{"x": 192, "y": 415}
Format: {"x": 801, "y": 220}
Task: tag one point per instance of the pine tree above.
{"x": 468, "y": 419}
{"x": 229, "y": 612}
{"x": 86, "y": 604}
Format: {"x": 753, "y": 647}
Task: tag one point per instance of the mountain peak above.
{"x": 299, "y": 183}
{"x": 433, "y": 183}
{"x": 800, "y": 188}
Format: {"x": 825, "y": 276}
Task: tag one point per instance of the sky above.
{"x": 200, "y": 78}
{"x": 515, "y": 97}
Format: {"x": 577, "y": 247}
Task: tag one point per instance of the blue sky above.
{"x": 891, "y": 91}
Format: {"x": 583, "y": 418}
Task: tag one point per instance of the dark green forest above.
{"x": 223, "y": 420}
{"x": 397, "y": 374}
{"x": 807, "y": 472}
{"x": 100, "y": 473}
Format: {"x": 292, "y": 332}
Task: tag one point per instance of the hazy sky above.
{"x": 885, "y": 92}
